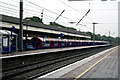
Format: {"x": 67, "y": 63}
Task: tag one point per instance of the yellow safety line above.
{"x": 93, "y": 65}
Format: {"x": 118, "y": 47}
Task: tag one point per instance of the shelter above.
{"x": 7, "y": 44}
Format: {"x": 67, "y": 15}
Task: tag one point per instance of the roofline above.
{"x": 15, "y": 20}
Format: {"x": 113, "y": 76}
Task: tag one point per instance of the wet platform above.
{"x": 41, "y": 51}
{"x": 101, "y": 65}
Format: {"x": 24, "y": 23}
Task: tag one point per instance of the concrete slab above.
{"x": 107, "y": 68}
{"x": 73, "y": 70}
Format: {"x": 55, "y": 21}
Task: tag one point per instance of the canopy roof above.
{"x": 5, "y": 32}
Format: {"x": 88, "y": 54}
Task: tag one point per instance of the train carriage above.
{"x": 52, "y": 43}
{"x": 39, "y": 43}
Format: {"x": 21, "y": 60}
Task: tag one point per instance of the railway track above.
{"x": 33, "y": 70}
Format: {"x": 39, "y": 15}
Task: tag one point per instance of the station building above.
{"x": 36, "y": 29}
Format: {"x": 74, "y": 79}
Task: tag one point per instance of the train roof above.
{"x": 67, "y": 40}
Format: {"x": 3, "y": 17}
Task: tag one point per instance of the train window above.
{"x": 36, "y": 42}
{"x": 55, "y": 42}
{"x": 59, "y": 42}
{"x": 47, "y": 42}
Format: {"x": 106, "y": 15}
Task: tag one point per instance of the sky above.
{"x": 105, "y": 13}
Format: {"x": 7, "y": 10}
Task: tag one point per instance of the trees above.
{"x": 34, "y": 18}
{"x": 37, "y": 19}
{"x": 115, "y": 41}
{"x": 58, "y": 25}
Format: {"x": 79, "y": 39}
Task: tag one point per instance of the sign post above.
{"x": 12, "y": 30}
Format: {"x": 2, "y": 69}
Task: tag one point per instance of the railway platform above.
{"x": 42, "y": 51}
{"x": 103, "y": 65}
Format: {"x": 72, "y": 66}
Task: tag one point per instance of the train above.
{"x": 40, "y": 43}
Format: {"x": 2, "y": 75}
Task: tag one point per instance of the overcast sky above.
{"x": 105, "y": 13}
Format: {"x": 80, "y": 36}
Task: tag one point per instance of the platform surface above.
{"x": 101, "y": 65}
{"x": 41, "y": 51}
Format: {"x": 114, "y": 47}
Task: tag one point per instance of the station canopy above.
{"x": 5, "y": 32}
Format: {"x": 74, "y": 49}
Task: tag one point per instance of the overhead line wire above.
{"x": 33, "y": 7}
{"x": 8, "y": 4}
{"x": 72, "y": 8}
{"x": 49, "y": 10}
{"x": 8, "y": 12}
{"x": 8, "y": 7}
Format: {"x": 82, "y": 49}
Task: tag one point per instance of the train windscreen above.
{"x": 36, "y": 42}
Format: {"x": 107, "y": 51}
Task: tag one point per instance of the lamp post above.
{"x": 21, "y": 27}
{"x": 94, "y": 32}
{"x": 109, "y": 38}
{"x": 68, "y": 33}
{"x": 58, "y": 31}
{"x": 27, "y": 32}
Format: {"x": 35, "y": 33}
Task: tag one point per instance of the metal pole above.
{"x": 68, "y": 33}
{"x": 11, "y": 41}
{"x": 109, "y": 37}
{"x": 26, "y": 34}
{"x": 58, "y": 32}
{"x": 42, "y": 14}
{"x": 59, "y": 15}
{"x": 93, "y": 33}
{"x": 21, "y": 27}
{"x": 83, "y": 17}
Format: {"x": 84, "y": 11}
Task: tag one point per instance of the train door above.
{"x": 56, "y": 44}
{"x": 63, "y": 43}
{"x": 47, "y": 44}
{"x": 59, "y": 43}
{"x": 69, "y": 43}
{"x": 52, "y": 43}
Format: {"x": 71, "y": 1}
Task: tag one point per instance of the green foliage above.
{"x": 113, "y": 41}
{"x": 71, "y": 28}
{"x": 58, "y": 25}
{"x": 34, "y": 18}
